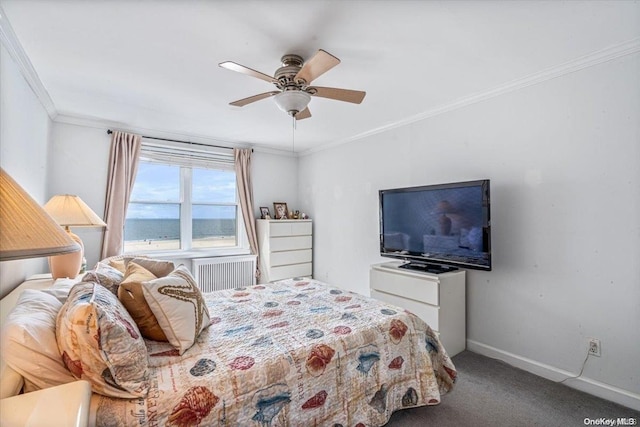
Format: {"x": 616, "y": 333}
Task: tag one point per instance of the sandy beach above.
{"x": 174, "y": 244}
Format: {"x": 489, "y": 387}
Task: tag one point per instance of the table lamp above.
{"x": 26, "y": 230}
{"x": 70, "y": 211}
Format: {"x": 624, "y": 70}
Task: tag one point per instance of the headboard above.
{"x": 11, "y": 382}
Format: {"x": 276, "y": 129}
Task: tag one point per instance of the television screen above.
{"x": 435, "y": 226}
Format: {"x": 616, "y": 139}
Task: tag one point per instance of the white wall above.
{"x": 563, "y": 157}
{"x": 78, "y": 164}
{"x": 275, "y": 179}
{"x": 24, "y": 137}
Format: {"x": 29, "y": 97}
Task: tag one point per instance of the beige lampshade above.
{"x": 71, "y": 211}
{"x": 26, "y": 230}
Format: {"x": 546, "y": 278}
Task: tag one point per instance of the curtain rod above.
{"x": 109, "y": 132}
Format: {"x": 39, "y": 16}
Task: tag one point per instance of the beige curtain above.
{"x": 123, "y": 165}
{"x": 242, "y": 158}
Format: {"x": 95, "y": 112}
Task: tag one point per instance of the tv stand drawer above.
{"x": 428, "y": 313}
{"x": 405, "y": 286}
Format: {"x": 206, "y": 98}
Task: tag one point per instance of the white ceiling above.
{"x": 153, "y": 65}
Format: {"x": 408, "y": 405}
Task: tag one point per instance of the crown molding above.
{"x": 99, "y": 123}
{"x": 102, "y": 124}
{"x": 610, "y": 53}
{"x": 13, "y": 46}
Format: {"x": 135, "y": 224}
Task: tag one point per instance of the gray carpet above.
{"x": 490, "y": 392}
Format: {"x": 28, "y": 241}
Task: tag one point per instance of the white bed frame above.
{"x": 71, "y": 406}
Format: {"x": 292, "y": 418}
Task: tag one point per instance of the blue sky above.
{"x": 161, "y": 183}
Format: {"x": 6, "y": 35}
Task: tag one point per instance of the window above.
{"x": 183, "y": 200}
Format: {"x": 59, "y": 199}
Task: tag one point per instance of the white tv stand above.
{"x": 438, "y": 299}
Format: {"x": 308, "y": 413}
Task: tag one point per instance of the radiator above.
{"x": 214, "y": 274}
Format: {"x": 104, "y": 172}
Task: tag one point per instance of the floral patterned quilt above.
{"x": 291, "y": 353}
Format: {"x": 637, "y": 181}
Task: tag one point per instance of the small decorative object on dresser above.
{"x": 264, "y": 213}
{"x": 281, "y": 211}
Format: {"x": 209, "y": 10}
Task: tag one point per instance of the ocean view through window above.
{"x": 181, "y": 207}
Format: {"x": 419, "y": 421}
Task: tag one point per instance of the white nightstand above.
{"x": 62, "y": 406}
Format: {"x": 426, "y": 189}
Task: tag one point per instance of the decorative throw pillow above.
{"x": 29, "y": 341}
{"x": 118, "y": 264}
{"x": 179, "y": 307}
{"x": 131, "y": 296}
{"x": 158, "y": 267}
{"x": 106, "y": 276}
{"x": 101, "y": 343}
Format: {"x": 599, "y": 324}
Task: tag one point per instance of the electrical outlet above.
{"x": 594, "y": 347}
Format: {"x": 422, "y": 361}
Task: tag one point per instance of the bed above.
{"x": 297, "y": 352}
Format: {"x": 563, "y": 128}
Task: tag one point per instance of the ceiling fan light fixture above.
{"x": 292, "y": 101}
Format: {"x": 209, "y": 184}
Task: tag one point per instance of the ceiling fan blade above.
{"x": 229, "y": 65}
{"x": 319, "y": 64}
{"x": 254, "y": 98}
{"x": 304, "y": 114}
{"x": 346, "y": 95}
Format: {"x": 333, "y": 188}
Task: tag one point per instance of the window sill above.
{"x": 194, "y": 253}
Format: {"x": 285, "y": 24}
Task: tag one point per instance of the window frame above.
{"x": 186, "y": 250}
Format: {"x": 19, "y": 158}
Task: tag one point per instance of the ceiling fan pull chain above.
{"x": 293, "y": 134}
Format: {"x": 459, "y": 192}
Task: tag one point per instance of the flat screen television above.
{"x": 437, "y": 228}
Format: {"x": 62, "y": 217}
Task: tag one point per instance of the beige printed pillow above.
{"x": 179, "y": 307}
{"x": 131, "y": 296}
{"x": 101, "y": 343}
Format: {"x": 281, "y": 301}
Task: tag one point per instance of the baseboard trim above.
{"x": 587, "y": 385}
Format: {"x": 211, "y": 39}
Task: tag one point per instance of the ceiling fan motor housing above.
{"x": 291, "y": 64}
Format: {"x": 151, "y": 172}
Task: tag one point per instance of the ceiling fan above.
{"x": 293, "y": 81}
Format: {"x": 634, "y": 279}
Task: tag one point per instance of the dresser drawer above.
{"x": 286, "y": 271}
{"x": 290, "y": 257}
{"x": 289, "y": 228}
{"x": 429, "y": 313}
{"x": 290, "y": 243}
{"x": 405, "y": 286}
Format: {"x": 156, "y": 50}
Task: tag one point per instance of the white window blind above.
{"x": 185, "y": 154}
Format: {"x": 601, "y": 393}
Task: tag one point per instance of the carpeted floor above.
{"x": 490, "y": 392}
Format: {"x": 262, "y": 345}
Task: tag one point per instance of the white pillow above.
{"x": 179, "y": 308}
{"x": 60, "y": 288}
{"x": 29, "y": 341}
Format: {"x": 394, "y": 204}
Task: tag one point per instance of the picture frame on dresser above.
{"x": 264, "y": 213}
{"x": 280, "y": 210}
